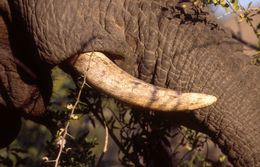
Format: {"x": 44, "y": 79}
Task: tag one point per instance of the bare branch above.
{"x": 105, "y": 145}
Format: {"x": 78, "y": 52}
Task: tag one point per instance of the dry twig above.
{"x": 105, "y": 145}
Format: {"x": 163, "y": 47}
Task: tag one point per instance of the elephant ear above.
{"x": 17, "y": 90}
{"x": 14, "y": 93}
{"x": 103, "y": 74}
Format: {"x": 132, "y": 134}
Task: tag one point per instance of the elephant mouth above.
{"x": 102, "y": 74}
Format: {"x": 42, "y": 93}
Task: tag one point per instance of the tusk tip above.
{"x": 203, "y": 100}
{"x": 197, "y": 100}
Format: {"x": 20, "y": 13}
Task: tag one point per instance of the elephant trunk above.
{"x": 201, "y": 58}
{"x": 197, "y": 56}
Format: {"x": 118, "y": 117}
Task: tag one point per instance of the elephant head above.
{"x": 157, "y": 41}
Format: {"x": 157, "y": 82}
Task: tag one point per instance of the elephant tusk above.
{"x": 103, "y": 74}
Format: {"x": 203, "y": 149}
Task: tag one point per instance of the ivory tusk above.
{"x": 104, "y": 75}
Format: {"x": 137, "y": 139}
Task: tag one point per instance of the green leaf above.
{"x": 223, "y": 3}
{"x": 236, "y": 6}
{"x": 222, "y": 158}
{"x": 249, "y": 5}
{"x": 243, "y": 9}
{"x": 200, "y": 158}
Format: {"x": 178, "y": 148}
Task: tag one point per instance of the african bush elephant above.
{"x": 157, "y": 41}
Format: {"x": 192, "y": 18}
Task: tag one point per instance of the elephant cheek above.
{"x": 10, "y": 125}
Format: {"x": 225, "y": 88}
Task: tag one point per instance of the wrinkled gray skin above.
{"x": 154, "y": 40}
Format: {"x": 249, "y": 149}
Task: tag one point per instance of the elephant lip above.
{"x": 101, "y": 73}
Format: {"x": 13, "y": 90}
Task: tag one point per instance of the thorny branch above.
{"x": 62, "y": 139}
{"x": 247, "y": 15}
{"x": 248, "y": 44}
